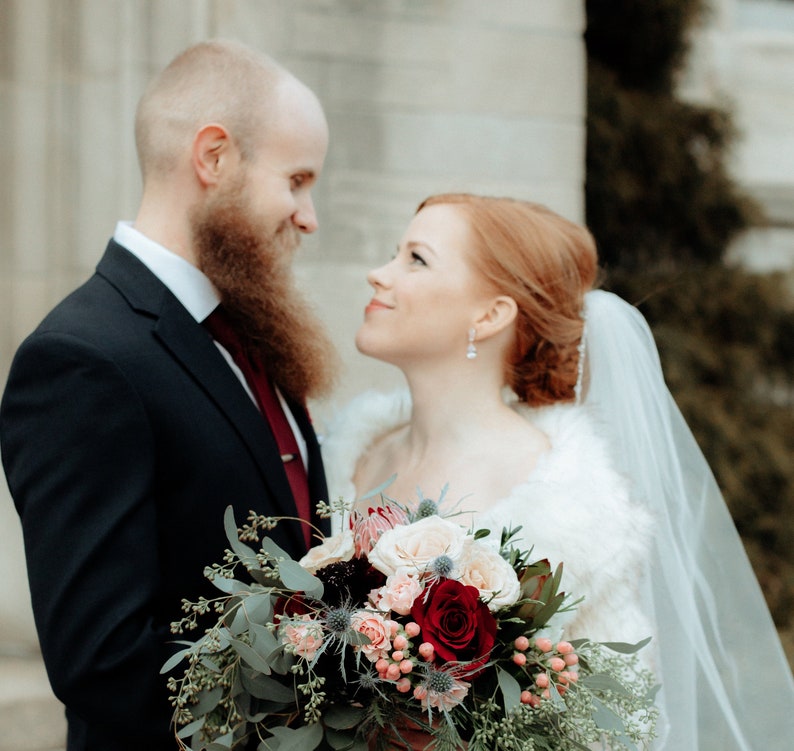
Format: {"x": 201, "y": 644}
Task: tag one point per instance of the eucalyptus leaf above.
{"x": 625, "y": 648}
{"x": 246, "y": 554}
{"x": 378, "y": 490}
{"x": 272, "y": 550}
{"x": 605, "y": 718}
{"x": 343, "y": 716}
{"x": 265, "y": 687}
{"x": 239, "y": 621}
{"x": 340, "y": 740}
{"x": 207, "y": 701}
{"x": 298, "y": 579}
{"x": 259, "y": 607}
{"x": 510, "y": 688}
{"x": 228, "y": 586}
{"x": 209, "y": 664}
{"x": 263, "y": 640}
{"x": 224, "y": 639}
{"x": 603, "y": 682}
{"x": 173, "y": 661}
{"x": 280, "y": 661}
{"x": 250, "y": 656}
{"x": 557, "y": 701}
{"x": 191, "y": 728}
{"x": 304, "y": 738}
{"x": 224, "y": 743}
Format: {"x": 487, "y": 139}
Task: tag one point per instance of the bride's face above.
{"x": 427, "y": 297}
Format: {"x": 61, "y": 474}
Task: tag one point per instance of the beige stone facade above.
{"x": 743, "y": 59}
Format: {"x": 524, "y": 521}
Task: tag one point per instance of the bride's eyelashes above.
{"x": 413, "y": 257}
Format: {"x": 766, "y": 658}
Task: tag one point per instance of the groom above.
{"x": 132, "y": 417}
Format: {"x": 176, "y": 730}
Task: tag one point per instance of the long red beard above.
{"x": 250, "y": 265}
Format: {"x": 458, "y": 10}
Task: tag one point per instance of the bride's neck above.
{"x": 452, "y": 407}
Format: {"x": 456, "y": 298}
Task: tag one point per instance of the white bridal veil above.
{"x": 726, "y": 684}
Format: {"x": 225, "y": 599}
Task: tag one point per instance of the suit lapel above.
{"x": 187, "y": 341}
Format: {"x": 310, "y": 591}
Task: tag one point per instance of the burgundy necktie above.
{"x": 218, "y": 324}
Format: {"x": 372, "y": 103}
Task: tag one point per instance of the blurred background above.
{"x": 665, "y": 126}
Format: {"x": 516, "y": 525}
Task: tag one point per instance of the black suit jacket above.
{"x": 125, "y": 435}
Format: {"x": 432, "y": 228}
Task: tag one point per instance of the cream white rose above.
{"x": 414, "y": 546}
{"x": 481, "y": 566}
{"x": 338, "y": 547}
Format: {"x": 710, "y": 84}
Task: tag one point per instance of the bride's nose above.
{"x": 379, "y": 277}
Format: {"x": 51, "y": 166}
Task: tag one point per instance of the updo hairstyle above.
{"x": 546, "y": 264}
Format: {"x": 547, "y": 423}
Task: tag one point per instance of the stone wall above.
{"x": 743, "y": 59}
{"x": 421, "y": 96}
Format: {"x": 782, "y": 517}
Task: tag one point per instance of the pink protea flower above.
{"x": 367, "y": 528}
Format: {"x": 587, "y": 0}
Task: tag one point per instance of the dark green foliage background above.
{"x": 663, "y": 209}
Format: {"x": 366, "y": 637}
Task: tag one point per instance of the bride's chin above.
{"x": 370, "y": 348}
{"x": 365, "y": 347}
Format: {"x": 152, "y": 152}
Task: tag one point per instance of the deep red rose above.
{"x": 456, "y": 622}
{"x": 292, "y": 606}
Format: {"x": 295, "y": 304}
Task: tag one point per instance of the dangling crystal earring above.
{"x": 471, "y": 350}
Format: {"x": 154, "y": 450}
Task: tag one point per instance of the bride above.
{"x": 488, "y": 296}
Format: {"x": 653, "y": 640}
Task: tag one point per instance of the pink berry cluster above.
{"x": 399, "y": 663}
{"x": 546, "y": 664}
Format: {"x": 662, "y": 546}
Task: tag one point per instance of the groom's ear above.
{"x": 499, "y": 315}
{"x": 213, "y": 154}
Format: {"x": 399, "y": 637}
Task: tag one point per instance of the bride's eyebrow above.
{"x": 415, "y": 245}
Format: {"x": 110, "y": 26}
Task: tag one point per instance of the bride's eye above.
{"x": 416, "y": 258}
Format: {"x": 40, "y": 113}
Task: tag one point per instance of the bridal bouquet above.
{"x": 404, "y": 622}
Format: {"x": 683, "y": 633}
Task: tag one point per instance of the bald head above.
{"x": 220, "y": 82}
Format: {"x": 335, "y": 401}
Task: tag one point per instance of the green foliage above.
{"x": 657, "y": 187}
{"x": 643, "y": 42}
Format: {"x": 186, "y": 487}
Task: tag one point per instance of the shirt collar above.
{"x": 187, "y": 283}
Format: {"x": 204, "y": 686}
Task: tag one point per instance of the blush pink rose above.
{"x": 304, "y": 637}
{"x": 378, "y": 629}
{"x": 399, "y": 592}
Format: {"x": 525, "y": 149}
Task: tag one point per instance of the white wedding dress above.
{"x": 626, "y": 500}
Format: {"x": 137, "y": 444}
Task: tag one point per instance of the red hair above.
{"x": 546, "y": 264}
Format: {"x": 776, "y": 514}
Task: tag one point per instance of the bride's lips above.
{"x": 376, "y": 305}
